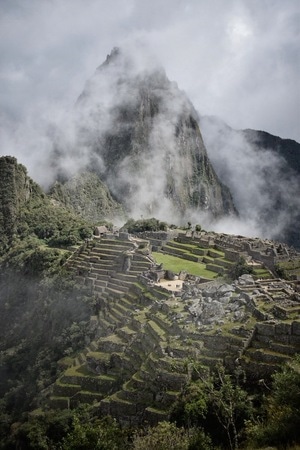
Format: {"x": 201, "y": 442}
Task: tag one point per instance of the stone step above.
{"x": 136, "y": 382}
{"x": 126, "y": 333}
{"x": 113, "y": 321}
{"x": 154, "y": 415}
{"x": 98, "y": 289}
{"x": 112, "y": 343}
{"x": 215, "y": 268}
{"x": 115, "y": 317}
{"x": 86, "y": 397}
{"x": 215, "y": 254}
{"x": 140, "y": 397}
{"x": 127, "y": 302}
{"x": 117, "y": 407}
{"x": 155, "y": 330}
{"x": 101, "y": 283}
{"x": 107, "y": 264}
{"x": 139, "y": 266}
{"x": 130, "y": 278}
{"x": 224, "y": 263}
{"x": 117, "y": 286}
{"x": 65, "y": 390}
{"x": 105, "y": 326}
{"x": 98, "y": 268}
{"x": 200, "y": 251}
{"x": 210, "y": 361}
{"x": 266, "y": 356}
{"x": 101, "y": 274}
{"x": 162, "y": 321}
{"x": 160, "y": 293}
{"x": 120, "y": 282}
{"x": 180, "y": 246}
{"x": 59, "y": 402}
{"x": 114, "y": 293}
{"x": 122, "y": 309}
{"x": 117, "y": 242}
{"x": 109, "y": 249}
{"x": 277, "y": 347}
{"x": 89, "y": 382}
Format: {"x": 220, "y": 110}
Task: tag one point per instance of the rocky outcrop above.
{"x": 142, "y": 136}
{"x": 88, "y": 196}
{"x": 16, "y": 188}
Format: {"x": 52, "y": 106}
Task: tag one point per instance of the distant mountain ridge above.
{"x": 263, "y": 174}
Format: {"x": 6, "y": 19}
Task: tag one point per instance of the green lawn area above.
{"x": 177, "y": 264}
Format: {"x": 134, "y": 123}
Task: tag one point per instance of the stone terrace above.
{"x": 146, "y": 336}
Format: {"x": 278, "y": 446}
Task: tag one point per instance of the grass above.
{"x": 290, "y": 267}
{"x": 262, "y": 273}
{"x": 175, "y": 264}
{"x": 79, "y": 371}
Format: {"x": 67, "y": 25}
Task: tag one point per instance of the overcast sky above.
{"x": 237, "y": 59}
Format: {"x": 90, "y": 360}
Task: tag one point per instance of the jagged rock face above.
{"x": 144, "y": 140}
{"x": 15, "y": 189}
{"x": 88, "y": 196}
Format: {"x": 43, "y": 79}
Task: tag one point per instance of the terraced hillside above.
{"x": 148, "y": 338}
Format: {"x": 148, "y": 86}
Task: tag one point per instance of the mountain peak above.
{"x": 141, "y": 134}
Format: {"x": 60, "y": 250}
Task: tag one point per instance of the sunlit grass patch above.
{"x": 178, "y": 264}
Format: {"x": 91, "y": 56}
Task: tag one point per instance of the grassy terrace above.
{"x": 177, "y": 264}
{"x": 262, "y": 273}
{"x": 290, "y": 267}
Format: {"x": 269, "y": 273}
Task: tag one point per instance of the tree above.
{"x": 229, "y": 402}
{"x": 165, "y": 436}
{"x": 102, "y": 434}
{"x": 217, "y": 403}
{"x": 239, "y": 269}
{"x": 280, "y": 424}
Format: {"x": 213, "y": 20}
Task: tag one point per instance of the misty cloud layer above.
{"x": 235, "y": 59}
{"x": 264, "y": 188}
{"x": 138, "y": 131}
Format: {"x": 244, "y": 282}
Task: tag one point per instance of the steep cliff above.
{"x": 86, "y": 195}
{"x": 140, "y": 134}
{"x": 16, "y": 188}
{"x": 30, "y": 220}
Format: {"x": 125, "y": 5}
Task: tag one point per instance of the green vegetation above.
{"x": 137, "y": 226}
{"x": 88, "y": 196}
{"x": 178, "y": 264}
{"x": 262, "y": 273}
{"x": 240, "y": 268}
{"x": 217, "y": 403}
{"x": 214, "y": 411}
{"x": 279, "y": 424}
{"x": 288, "y": 269}
{"x": 166, "y": 436}
{"x": 45, "y": 324}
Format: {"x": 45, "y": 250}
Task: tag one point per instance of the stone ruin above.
{"x": 145, "y": 334}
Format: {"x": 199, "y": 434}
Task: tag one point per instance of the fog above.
{"x": 237, "y": 60}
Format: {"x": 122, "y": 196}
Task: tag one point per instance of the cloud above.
{"x": 235, "y": 59}
{"x": 262, "y": 184}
